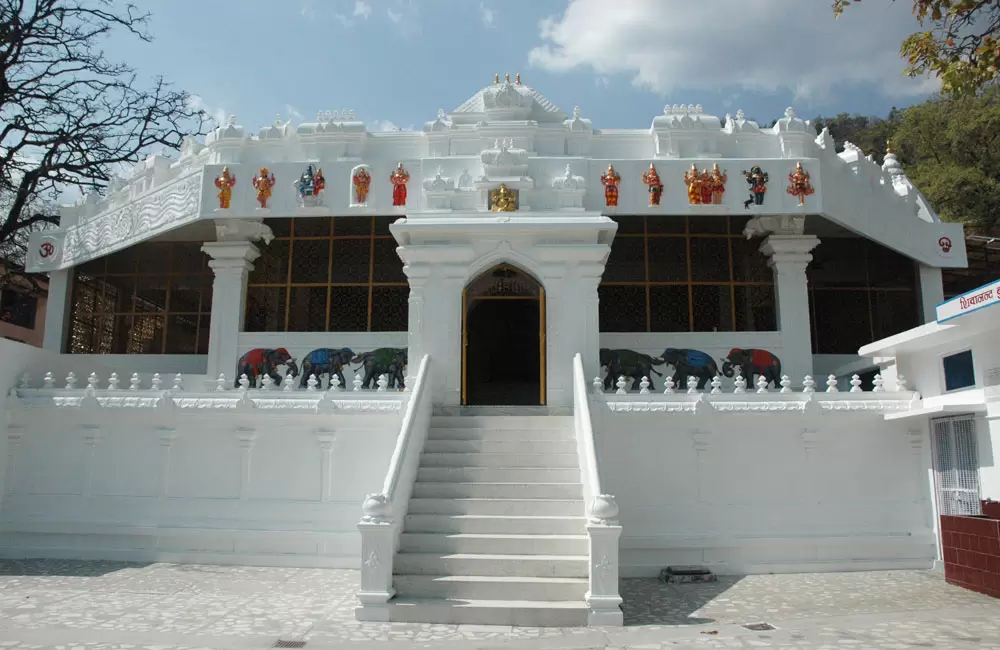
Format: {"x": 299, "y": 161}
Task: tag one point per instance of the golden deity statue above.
{"x": 503, "y": 199}
{"x": 799, "y": 184}
{"x": 652, "y": 179}
{"x": 225, "y": 182}
{"x": 611, "y": 180}
{"x": 717, "y": 183}
{"x": 694, "y": 182}
{"x": 362, "y": 181}
{"x": 263, "y": 182}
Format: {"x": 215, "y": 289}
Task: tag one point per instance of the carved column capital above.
{"x": 242, "y": 230}
{"x": 789, "y": 252}
{"x": 766, "y": 224}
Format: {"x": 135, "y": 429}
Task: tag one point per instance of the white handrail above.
{"x": 421, "y": 393}
{"x": 584, "y": 432}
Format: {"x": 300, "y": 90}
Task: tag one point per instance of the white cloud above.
{"x": 216, "y": 113}
{"x": 488, "y": 16}
{"x": 362, "y": 9}
{"x": 770, "y": 45}
{"x": 293, "y": 112}
{"x": 387, "y": 125}
{"x": 394, "y": 16}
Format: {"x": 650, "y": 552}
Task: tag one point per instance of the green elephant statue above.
{"x": 628, "y": 363}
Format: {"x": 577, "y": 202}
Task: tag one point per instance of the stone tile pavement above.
{"x": 72, "y": 605}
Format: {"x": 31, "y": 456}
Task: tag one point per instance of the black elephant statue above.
{"x": 753, "y": 362}
{"x": 264, "y": 361}
{"x": 628, "y": 363}
{"x": 326, "y": 361}
{"x": 690, "y": 363}
{"x": 390, "y": 362}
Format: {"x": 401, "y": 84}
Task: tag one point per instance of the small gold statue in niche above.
{"x": 503, "y": 199}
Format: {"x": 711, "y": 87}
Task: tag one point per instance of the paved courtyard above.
{"x": 73, "y": 605}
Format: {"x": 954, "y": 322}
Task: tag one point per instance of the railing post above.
{"x": 603, "y": 531}
{"x": 377, "y": 531}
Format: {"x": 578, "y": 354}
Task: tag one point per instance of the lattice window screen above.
{"x": 956, "y": 466}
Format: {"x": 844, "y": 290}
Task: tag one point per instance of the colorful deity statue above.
{"x": 310, "y": 185}
{"x": 652, "y": 179}
{"x": 225, "y": 182}
{"x": 399, "y": 178}
{"x": 611, "y": 180}
{"x": 799, "y": 184}
{"x": 263, "y": 182}
{"x": 694, "y": 181}
{"x": 757, "y": 180}
{"x": 362, "y": 181}
{"x": 717, "y": 183}
{"x": 503, "y": 199}
{"x": 706, "y": 187}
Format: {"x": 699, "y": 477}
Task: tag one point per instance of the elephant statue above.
{"x": 264, "y": 361}
{"x": 753, "y": 362}
{"x": 326, "y": 361}
{"x": 690, "y": 363}
{"x": 628, "y": 363}
{"x": 383, "y": 361}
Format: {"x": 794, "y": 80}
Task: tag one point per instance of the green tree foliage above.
{"x": 961, "y": 44}
{"x": 868, "y": 132}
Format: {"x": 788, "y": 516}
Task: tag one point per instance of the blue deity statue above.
{"x": 310, "y": 185}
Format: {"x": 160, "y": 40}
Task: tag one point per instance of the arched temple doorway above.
{"x": 503, "y": 339}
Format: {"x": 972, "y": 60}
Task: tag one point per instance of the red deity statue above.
{"x": 399, "y": 179}
{"x": 706, "y": 187}
{"x": 225, "y": 182}
{"x": 799, "y": 184}
{"x": 611, "y": 180}
{"x": 362, "y": 181}
{"x": 263, "y": 182}
{"x": 652, "y": 179}
{"x": 694, "y": 181}
{"x": 717, "y": 183}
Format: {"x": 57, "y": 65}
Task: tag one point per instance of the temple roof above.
{"x": 506, "y": 96}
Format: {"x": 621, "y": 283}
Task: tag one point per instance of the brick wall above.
{"x": 971, "y": 549}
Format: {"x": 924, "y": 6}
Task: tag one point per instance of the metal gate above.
{"x": 956, "y": 466}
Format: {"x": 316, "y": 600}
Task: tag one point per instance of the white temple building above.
{"x": 526, "y": 353}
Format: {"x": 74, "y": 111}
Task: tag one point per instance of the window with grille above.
{"x": 685, "y": 274}
{"x": 859, "y": 292}
{"x": 151, "y": 298}
{"x": 328, "y": 274}
{"x": 958, "y": 371}
{"x": 18, "y": 308}
{"x": 956, "y": 466}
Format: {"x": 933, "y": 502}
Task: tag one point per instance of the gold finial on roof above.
{"x": 496, "y": 77}
{"x": 517, "y": 78}
{"x": 506, "y": 77}
{"x": 888, "y": 147}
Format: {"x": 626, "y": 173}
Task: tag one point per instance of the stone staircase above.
{"x": 495, "y": 532}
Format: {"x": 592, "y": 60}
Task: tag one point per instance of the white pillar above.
{"x": 931, "y": 291}
{"x": 789, "y": 255}
{"x": 232, "y": 263}
{"x": 57, "y": 307}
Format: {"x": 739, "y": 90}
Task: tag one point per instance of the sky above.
{"x": 396, "y": 62}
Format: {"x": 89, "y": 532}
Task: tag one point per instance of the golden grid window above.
{"x": 151, "y": 298}
{"x": 859, "y": 292}
{"x": 685, "y": 274}
{"x": 328, "y": 274}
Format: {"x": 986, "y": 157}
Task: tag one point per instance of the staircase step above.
{"x": 504, "y": 422}
{"x": 459, "y": 489}
{"x": 495, "y": 524}
{"x": 477, "y": 433}
{"x": 483, "y": 506}
{"x": 552, "y": 566}
{"x": 494, "y": 543}
{"x": 490, "y": 587}
{"x": 487, "y": 612}
{"x": 498, "y": 460}
{"x": 499, "y": 474}
{"x": 502, "y": 446}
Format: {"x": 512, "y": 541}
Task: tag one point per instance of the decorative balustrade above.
{"x": 712, "y": 398}
{"x": 172, "y": 393}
